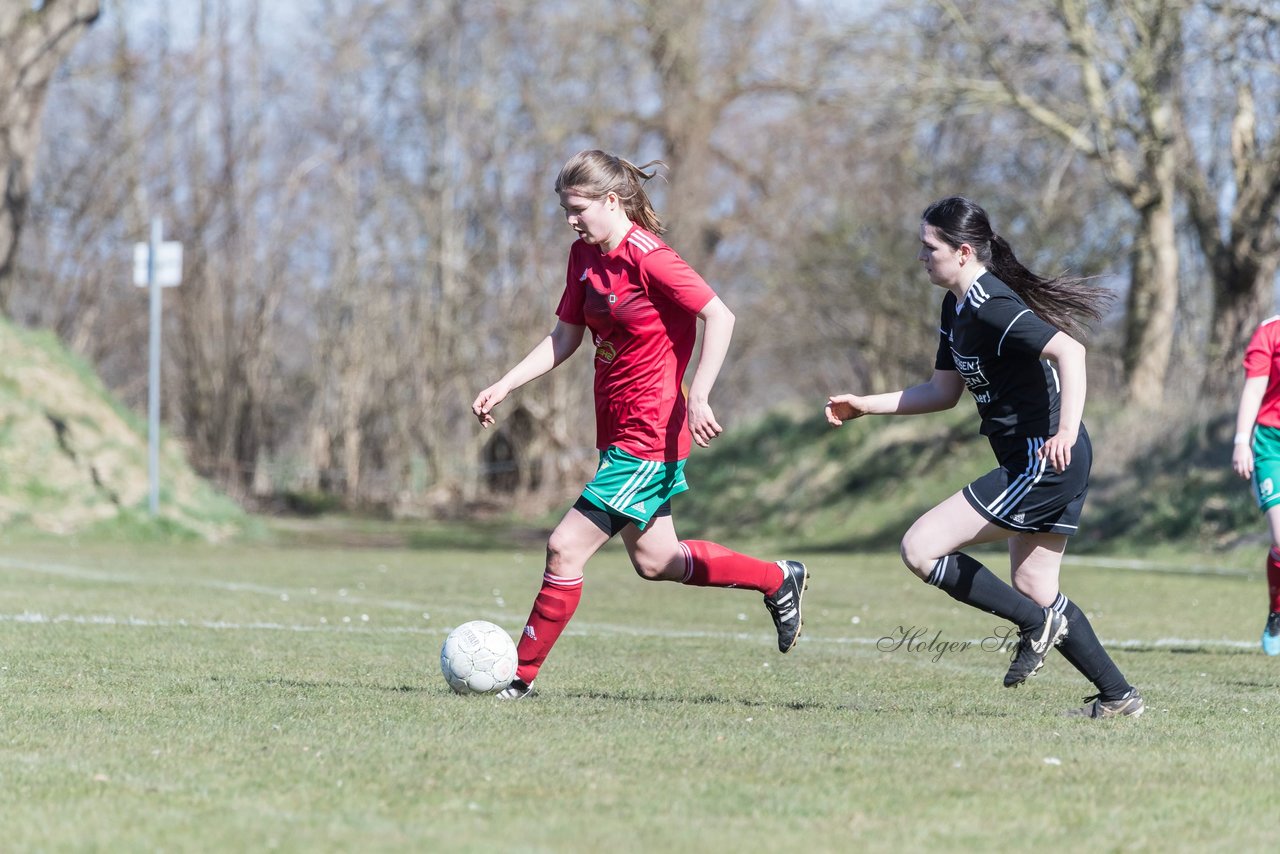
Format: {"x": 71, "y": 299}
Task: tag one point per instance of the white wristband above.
{"x": 1240, "y": 439}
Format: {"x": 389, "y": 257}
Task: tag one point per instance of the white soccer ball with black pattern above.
{"x": 478, "y": 658}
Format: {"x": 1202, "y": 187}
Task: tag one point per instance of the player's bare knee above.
{"x": 918, "y": 559}
{"x": 658, "y": 568}
{"x": 559, "y": 555}
{"x": 648, "y": 569}
{"x": 1040, "y": 591}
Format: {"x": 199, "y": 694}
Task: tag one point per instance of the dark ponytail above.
{"x": 1063, "y": 301}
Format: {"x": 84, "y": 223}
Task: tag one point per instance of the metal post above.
{"x": 153, "y": 383}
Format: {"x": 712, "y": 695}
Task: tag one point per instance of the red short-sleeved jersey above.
{"x": 1262, "y": 359}
{"x": 640, "y": 302}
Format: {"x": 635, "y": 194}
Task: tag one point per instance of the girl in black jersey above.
{"x": 1005, "y": 335}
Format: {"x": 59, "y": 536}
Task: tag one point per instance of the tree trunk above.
{"x": 1243, "y": 250}
{"x": 33, "y": 42}
{"x": 1152, "y": 304}
{"x": 1242, "y": 299}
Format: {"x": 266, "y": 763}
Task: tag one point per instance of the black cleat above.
{"x": 784, "y": 606}
{"x": 1029, "y": 654}
{"x": 517, "y": 690}
{"x": 1131, "y": 705}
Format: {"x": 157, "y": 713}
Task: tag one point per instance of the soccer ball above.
{"x": 478, "y": 658}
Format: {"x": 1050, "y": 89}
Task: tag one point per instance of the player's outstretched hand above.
{"x": 702, "y": 423}
{"x": 844, "y": 407}
{"x": 485, "y": 402}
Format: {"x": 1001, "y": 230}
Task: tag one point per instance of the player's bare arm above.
{"x": 942, "y": 391}
{"x": 557, "y": 346}
{"x": 717, "y": 331}
{"x": 1068, "y": 354}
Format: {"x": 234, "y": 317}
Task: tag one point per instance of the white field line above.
{"x": 82, "y": 573}
{"x": 578, "y": 629}
{"x": 1139, "y": 565}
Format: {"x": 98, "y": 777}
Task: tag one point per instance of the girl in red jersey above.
{"x": 641, "y": 302}
{"x": 1002, "y": 337}
{"x": 1256, "y": 453}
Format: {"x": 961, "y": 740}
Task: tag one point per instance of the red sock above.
{"x": 1273, "y": 578}
{"x": 711, "y": 565}
{"x": 552, "y": 608}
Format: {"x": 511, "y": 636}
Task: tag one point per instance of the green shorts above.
{"x": 1266, "y": 466}
{"x": 632, "y": 487}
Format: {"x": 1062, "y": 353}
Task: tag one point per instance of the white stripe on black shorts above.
{"x": 1025, "y": 493}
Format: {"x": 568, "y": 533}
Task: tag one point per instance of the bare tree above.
{"x": 70, "y": 271}
{"x": 237, "y": 218}
{"x": 1121, "y": 112}
{"x": 366, "y": 201}
{"x": 34, "y": 39}
{"x": 1242, "y": 165}
{"x": 848, "y": 305}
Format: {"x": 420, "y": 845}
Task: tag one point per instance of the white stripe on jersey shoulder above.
{"x": 1007, "y": 328}
{"x": 644, "y": 241}
{"x": 977, "y": 294}
{"x": 1270, "y": 320}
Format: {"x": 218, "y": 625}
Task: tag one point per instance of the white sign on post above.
{"x": 162, "y": 271}
{"x": 168, "y": 264}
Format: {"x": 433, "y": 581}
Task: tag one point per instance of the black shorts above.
{"x": 1026, "y": 494}
{"x": 612, "y": 523}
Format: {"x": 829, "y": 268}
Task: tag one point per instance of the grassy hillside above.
{"x": 1157, "y": 480}
{"x": 74, "y": 461}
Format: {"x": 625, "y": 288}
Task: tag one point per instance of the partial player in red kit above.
{"x": 641, "y": 303}
{"x": 1256, "y": 453}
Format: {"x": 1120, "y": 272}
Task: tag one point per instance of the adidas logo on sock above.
{"x": 530, "y": 633}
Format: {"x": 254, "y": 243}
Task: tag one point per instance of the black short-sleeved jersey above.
{"x": 994, "y": 340}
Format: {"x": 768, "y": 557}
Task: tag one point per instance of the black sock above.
{"x": 965, "y": 580}
{"x": 1082, "y": 648}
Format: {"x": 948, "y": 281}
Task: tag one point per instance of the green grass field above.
{"x": 255, "y": 698}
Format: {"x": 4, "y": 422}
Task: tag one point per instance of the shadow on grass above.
{"x": 792, "y": 705}
{"x": 703, "y": 699}
{"x": 1189, "y": 648}
{"x": 329, "y": 684}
